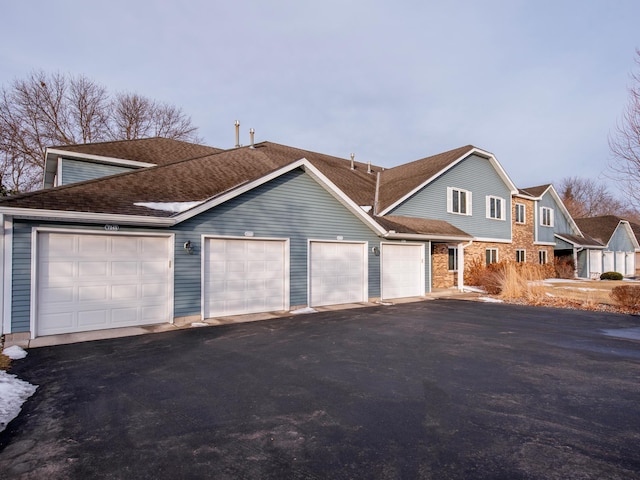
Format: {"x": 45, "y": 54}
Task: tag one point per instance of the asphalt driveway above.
{"x": 443, "y": 389}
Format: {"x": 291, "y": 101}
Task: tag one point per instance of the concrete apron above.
{"x": 23, "y": 340}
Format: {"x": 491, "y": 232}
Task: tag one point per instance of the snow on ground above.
{"x": 303, "y": 310}
{"x": 13, "y": 391}
{"x": 490, "y": 300}
{"x": 467, "y": 288}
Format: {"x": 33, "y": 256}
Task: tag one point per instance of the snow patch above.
{"x": 199, "y": 324}
{"x": 14, "y": 352}
{"x": 303, "y": 311}
{"x": 490, "y": 300}
{"x": 13, "y": 393}
{"x": 173, "y": 207}
{"x": 473, "y": 289}
{"x": 366, "y": 208}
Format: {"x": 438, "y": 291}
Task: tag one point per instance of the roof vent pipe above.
{"x": 252, "y": 133}
{"x": 237, "y": 124}
{"x": 369, "y": 166}
{"x": 353, "y": 167}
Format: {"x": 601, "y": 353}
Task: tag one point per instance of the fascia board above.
{"x": 496, "y": 165}
{"x": 97, "y": 158}
{"x": 87, "y": 217}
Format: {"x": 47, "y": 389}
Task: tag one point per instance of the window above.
{"x": 546, "y": 217}
{"x": 495, "y": 208}
{"x": 520, "y": 213}
{"x": 458, "y": 201}
{"x": 492, "y": 255}
{"x": 542, "y": 257}
{"x": 521, "y": 255}
{"x": 453, "y": 259}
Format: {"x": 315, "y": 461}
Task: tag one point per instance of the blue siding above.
{"x": 78, "y": 171}
{"x": 477, "y": 175}
{"x": 620, "y": 240}
{"x": 292, "y": 206}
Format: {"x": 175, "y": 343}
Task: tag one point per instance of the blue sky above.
{"x": 538, "y": 83}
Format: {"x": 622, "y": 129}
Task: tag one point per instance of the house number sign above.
{"x": 112, "y": 228}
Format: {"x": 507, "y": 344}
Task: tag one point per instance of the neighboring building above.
{"x": 619, "y": 244}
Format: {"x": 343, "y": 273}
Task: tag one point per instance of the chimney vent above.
{"x": 353, "y": 167}
{"x": 237, "y": 124}
{"x": 252, "y": 132}
{"x": 369, "y": 166}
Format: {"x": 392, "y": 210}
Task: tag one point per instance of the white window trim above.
{"x": 551, "y": 216}
{"x": 502, "y": 207}
{"x": 455, "y": 250}
{"x": 524, "y": 214}
{"x": 493, "y": 249}
{"x": 524, "y": 255}
{"x": 542, "y": 253}
{"x": 469, "y": 203}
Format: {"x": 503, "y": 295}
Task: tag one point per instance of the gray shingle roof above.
{"x": 601, "y": 228}
{"x": 398, "y": 181}
{"x": 156, "y": 150}
{"x": 421, "y": 226}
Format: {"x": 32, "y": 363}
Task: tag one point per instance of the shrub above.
{"x": 611, "y": 276}
{"x": 4, "y": 362}
{"x": 508, "y": 279}
{"x": 626, "y": 295}
{"x": 564, "y": 267}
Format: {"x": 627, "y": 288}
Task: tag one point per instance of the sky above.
{"x": 540, "y": 84}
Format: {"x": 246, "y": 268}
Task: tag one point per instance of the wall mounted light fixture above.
{"x": 188, "y": 247}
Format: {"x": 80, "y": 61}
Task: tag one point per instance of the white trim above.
{"x": 474, "y": 151}
{"x": 365, "y": 246}
{"x": 57, "y": 179}
{"x": 286, "y": 267}
{"x": 425, "y": 237}
{"x": 524, "y": 254}
{"x": 524, "y": 213}
{"x": 493, "y": 249}
{"x": 422, "y": 263}
{"x": 468, "y": 203}
{"x": 88, "y": 217}
{"x": 34, "y": 263}
{"x": 97, "y": 158}
{"x": 552, "y": 244}
{"x": 551, "y": 217}
{"x": 491, "y": 240}
{"x": 7, "y": 276}
{"x": 502, "y": 212}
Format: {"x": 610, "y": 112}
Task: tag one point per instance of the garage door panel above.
{"x": 243, "y": 276}
{"x": 402, "y": 270}
{"x": 337, "y": 273}
{"x": 93, "y": 293}
{"x": 109, "y": 289}
{"x": 93, "y": 318}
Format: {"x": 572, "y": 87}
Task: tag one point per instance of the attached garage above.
{"x": 337, "y": 273}
{"x": 242, "y": 275}
{"x": 402, "y": 270}
{"x": 98, "y": 281}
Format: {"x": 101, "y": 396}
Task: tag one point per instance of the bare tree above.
{"x": 584, "y": 197}
{"x": 52, "y": 110}
{"x": 624, "y": 144}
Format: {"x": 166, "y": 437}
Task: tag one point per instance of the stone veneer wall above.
{"x": 441, "y": 277}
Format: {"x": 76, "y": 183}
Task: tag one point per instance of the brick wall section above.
{"x": 441, "y": 277}
{"x": 522, "y": 238}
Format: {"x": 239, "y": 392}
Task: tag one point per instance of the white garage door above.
{"x": 92, "y": 282}
{"x": 402, "y": 270}
{"x": 620, "y": 263}
{"x": 244, "y": 276}
{"x": 630, "y": 264}
{"x": 608, "y": 262}
{"x": 337, "y": 273}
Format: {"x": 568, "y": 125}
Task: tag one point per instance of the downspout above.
{"x": 461, "y": 247}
